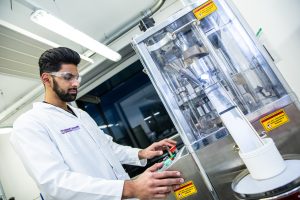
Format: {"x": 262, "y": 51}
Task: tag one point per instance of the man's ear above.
{"x": 45, "y": 78}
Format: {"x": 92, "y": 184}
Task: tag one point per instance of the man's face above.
{"x": 65, "y": 83}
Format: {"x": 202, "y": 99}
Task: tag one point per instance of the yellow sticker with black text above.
{"x": 186, "y": 189}
{"x": 274, "y": 120}
{"x": 205, "y": 9}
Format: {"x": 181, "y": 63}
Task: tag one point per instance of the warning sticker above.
{"x": 274, "y": 120}
{"x": 205, "y": 9}
{"x": 186, "y": 189}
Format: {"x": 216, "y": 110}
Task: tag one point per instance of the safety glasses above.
{"x": 67, "y": 76}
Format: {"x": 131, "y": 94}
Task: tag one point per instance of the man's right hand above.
{"x": 152, "y": 184}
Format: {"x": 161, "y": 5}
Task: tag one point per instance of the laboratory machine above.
{"x": 236, "y": 115}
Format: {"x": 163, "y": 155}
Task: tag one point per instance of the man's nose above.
{"x": 75, "y": 83}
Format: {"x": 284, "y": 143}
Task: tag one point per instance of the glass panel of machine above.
{"x": 212, "y": 73}
{"x": 188, "y": 67}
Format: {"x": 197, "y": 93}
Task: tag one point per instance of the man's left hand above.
{"x": 156, "y": 149}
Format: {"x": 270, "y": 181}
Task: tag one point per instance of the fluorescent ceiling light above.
{"x": 149, "y": 117}
{"x": 103, "y": 126}
{"x": 56, "y": 25}
{"x": 5, "y": 130}
{"x": 157, "y": 113}
{"x": 37, "y": 38}
{"x": 106, "y": 126}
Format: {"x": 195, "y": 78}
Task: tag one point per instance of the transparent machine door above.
{"x": 210, "y": 74}
{"x": 192, "y": 55}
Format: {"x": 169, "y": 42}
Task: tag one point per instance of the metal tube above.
{"x": 153, "y": 9}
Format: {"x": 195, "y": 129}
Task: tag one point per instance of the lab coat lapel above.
{"x": 107, "y": 152}
{"x": 104, "y": 147}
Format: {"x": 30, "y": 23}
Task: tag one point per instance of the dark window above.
{"x": 129, "y": 110}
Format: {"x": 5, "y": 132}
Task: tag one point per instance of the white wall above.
{"x": 281, "y": 26}
{"x": 15, "y": 180}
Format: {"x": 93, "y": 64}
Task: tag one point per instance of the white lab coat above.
{"x": 70, "y": 157}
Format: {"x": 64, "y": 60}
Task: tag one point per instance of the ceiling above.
{"x": 19, "y": 53}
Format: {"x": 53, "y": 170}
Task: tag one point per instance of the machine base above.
{"x": 245, "y": 187}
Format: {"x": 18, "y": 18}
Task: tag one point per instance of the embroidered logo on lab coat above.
{"x": 67, "y": 130}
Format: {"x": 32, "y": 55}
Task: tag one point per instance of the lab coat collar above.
{"x": 42, "y": 105}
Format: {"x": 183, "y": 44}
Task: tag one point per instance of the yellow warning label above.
{"x": 186, "y": 189}
{"x": 205, "y": 9}
{"x": 274, "y": 120}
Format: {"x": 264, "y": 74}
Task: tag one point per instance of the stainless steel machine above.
{"x": 225, "y": 96}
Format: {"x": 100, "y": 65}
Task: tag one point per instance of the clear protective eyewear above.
{"x": 67, "y": 76}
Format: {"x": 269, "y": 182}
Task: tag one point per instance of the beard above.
{"x": 62, "y": 95}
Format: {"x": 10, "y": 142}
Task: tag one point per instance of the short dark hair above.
{"x": 52, "y": 59}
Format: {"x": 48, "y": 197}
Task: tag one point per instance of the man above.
{"x": 66, "y": 153}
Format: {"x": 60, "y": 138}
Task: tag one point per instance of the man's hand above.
{"x": 152, "y": 184}
{"x": 156, "y": 149}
